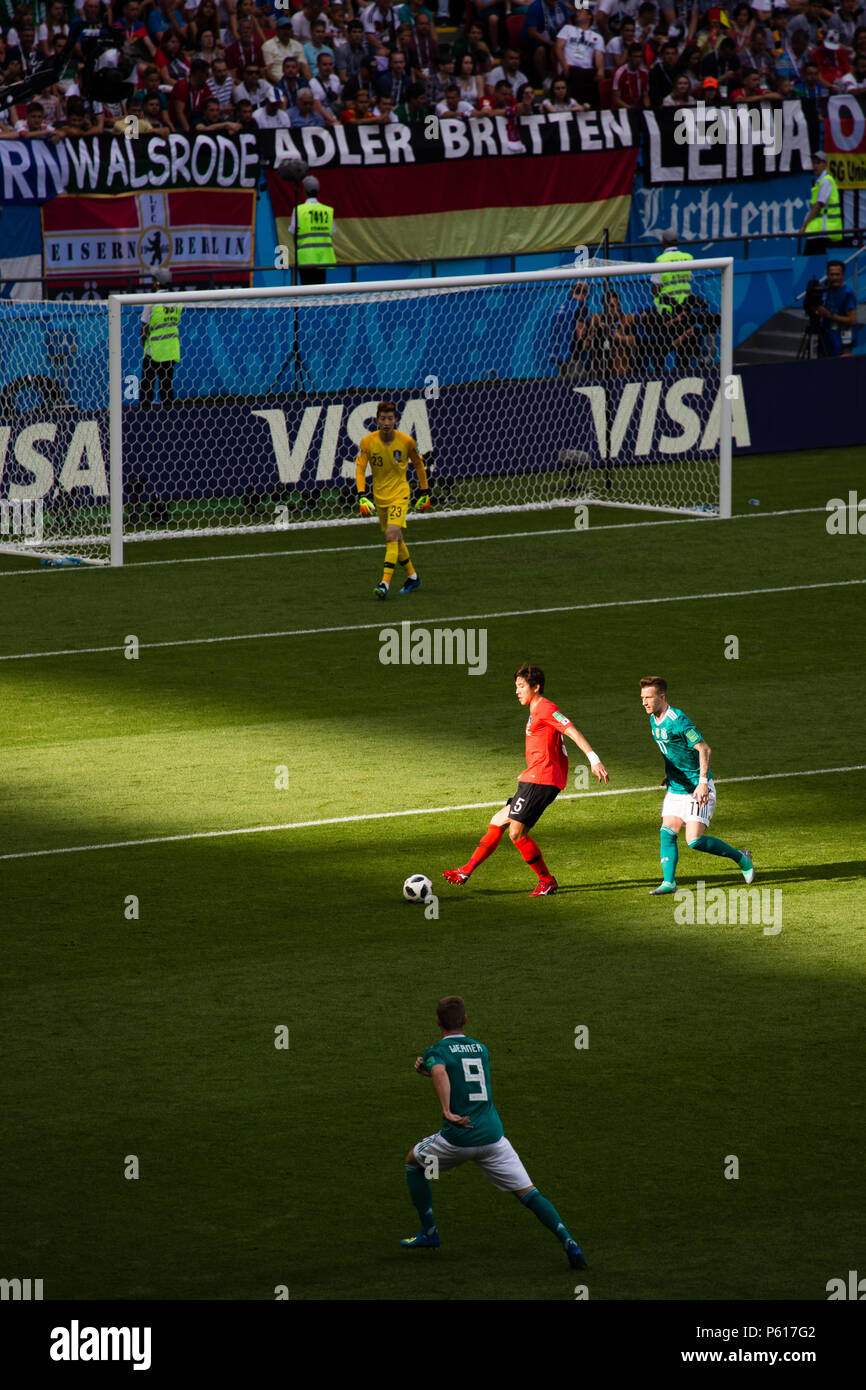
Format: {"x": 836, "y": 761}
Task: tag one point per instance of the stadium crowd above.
{"x": 234, "y": 65}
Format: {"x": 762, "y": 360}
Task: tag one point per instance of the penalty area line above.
{"x": 397, "y": 815}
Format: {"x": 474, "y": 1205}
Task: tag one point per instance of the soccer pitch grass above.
{"x": 154, "y": 1035}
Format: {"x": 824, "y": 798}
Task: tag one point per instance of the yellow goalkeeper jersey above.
{"x": 388, "y": 464}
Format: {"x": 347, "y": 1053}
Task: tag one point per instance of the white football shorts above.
{"x": 499, "y": 1162}
{"x": 683, "y": 804}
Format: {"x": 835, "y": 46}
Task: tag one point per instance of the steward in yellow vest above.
{"x": 823, "y": 225}
{"x": 315, "y": 236}
{"x": 160, "y": 340}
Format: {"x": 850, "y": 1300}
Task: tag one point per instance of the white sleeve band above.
{"x": 594, "y": 759}
{"x": 702, "y": 781}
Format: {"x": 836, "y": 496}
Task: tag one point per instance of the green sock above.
{"x": 708, "y": 844}
{"x": 669, "y": 854}
{"x": 546, "y": 1213}
{"x": 419, "y": 1191}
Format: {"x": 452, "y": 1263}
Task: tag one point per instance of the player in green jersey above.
{"x": 472, "y": 1132}
{"x": 690, "y": 799}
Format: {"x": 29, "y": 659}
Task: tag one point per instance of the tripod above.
{"x": 811, "y": 344}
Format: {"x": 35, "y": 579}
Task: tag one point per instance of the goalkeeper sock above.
{"x": 708, "y": 844}
{"x": 403, "y": 557}
{"x": 669, "y": 854}
{"x": 419, "y": 1191}
{"x": 533, "y": 856}
{"x": 486, "y": 846}
{"x": 546, "y": 1213}
{"x": 390, "y": 561}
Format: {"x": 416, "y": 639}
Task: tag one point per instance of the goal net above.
{"x": 593, "y": 384}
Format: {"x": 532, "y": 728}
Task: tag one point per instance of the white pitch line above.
{"x": 439, "y": 540}
{"x": 398, "y": 617}
{"x": 396, "y": 815}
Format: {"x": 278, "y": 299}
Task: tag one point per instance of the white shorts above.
{"x": 498, "y": 1162}
{"x": 683, "y": 804}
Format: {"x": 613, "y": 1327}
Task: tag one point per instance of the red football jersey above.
{"x": 546, "y": 759}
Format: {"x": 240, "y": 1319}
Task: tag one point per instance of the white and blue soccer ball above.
{"x": 418, "y": 889}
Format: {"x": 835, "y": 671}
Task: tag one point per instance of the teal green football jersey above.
{"x": 468, "y": 1066}
{"x": 675, "y": 737}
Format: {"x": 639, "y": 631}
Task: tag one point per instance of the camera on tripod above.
{"x": 813, "y": 300}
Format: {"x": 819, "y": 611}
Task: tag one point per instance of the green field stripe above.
{"x": 441, "y": 621}
{"x": 416, "y": 541}
{"x": 395, "y": 815}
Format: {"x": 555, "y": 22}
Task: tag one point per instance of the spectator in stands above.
{"x": 810, "y": 89}
{"x": 508, "y": 71}
{"x": 811, "y": 21}
{"x": 135, "y": 34}
{"x": 471, "y": 40}
{"x": 272, "y": 115}
{"x": 580, "y": 53}
{"x": 558, "y": 99}
{"x": 742, "y": 28}
{"x": 437, "y": 81}
{"x": 426, "y": 44}
{"x": 204, "y": 20}
{"x": 757, "y": 58}
{"x": 453, "y": 105}
{"x": 380, "y": 25}
{"x": 150, "y": 86}
{"x": 156, "y": 118}
{"x": 360, "y": 112}
{"x": 844, "y": 23}
{"x": 327, "y": 90}
{"x": 165, "y": 16}
{"x": 469, "y": 80}
{"x": 353, "y": 53}
{"x": 302, "y": 21}
{"x": 291, "y": 82}
{"x": 664, "y": 71}
{"x": 134, "y": 123}
{"x": 254, "y": 88}
{"x": 492, "y": 14}
{"x": 78, "y": 122}
{"x": 394, "y": 82}
{"x": 221, "y": 86}
{"x": 384, "y": 109}
{"x": 55, "y": 23}
{"x": 791, "y": 53}
{"x": 832, "y": 62}
{"x": 244, "y": 118}
{"x": 209, "y": 121}
{"x": 414, "y": 110}
{"x": 543, "y": 21}
{"x": 630, "y": 88}
{"x": 838, "y": 313}
{"x": 722, "y": 65}
{"x": 283, "y": 45}
{"x": 681, "y": 92}
{"x": 169, "y": 60}
{"x": 616, "y": 49}
{"x": 189, "y": 95}
{"x": 856, "y": 80}
{"x": 754, "y": 91}
{"x": 303, "y": 114}
{"x": 34, "y": 126}
{"x": 245, "y": 50}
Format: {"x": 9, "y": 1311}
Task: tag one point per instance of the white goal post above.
{"x": 597, "y": 383}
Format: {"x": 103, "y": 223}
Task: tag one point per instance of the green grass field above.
{"x": 154, "y": 1035}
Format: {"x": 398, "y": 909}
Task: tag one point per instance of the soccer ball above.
{"x": 417, "y": 889}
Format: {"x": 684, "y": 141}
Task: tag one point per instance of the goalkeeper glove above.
{"x": 422, "y": 502}
{"x": 367, "y": 506}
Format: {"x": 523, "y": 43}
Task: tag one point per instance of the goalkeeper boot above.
{"x": 381, "y": 590}
{"x": 747, "y": 867}
{"x": 543, "y": 887}
{"x": 664, "y": 887}
{"x": 457, "y": 876}
{"x": 422, "y": 1241}
{"x": 411, "y": 585}
{"x": 575, "y": 1255}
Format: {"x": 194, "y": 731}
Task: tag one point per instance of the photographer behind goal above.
{"x": 832, "y": 310}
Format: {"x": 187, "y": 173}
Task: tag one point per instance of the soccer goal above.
{"x": 591, "y": 384}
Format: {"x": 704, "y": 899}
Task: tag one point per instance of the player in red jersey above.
{"x": 544, "y": 778}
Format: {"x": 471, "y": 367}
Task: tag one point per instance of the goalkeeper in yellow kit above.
{"x": 389, "y": 452}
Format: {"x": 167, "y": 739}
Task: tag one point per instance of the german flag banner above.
{"x": 473, "y": 207}
{"x": 845, "y": 140}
